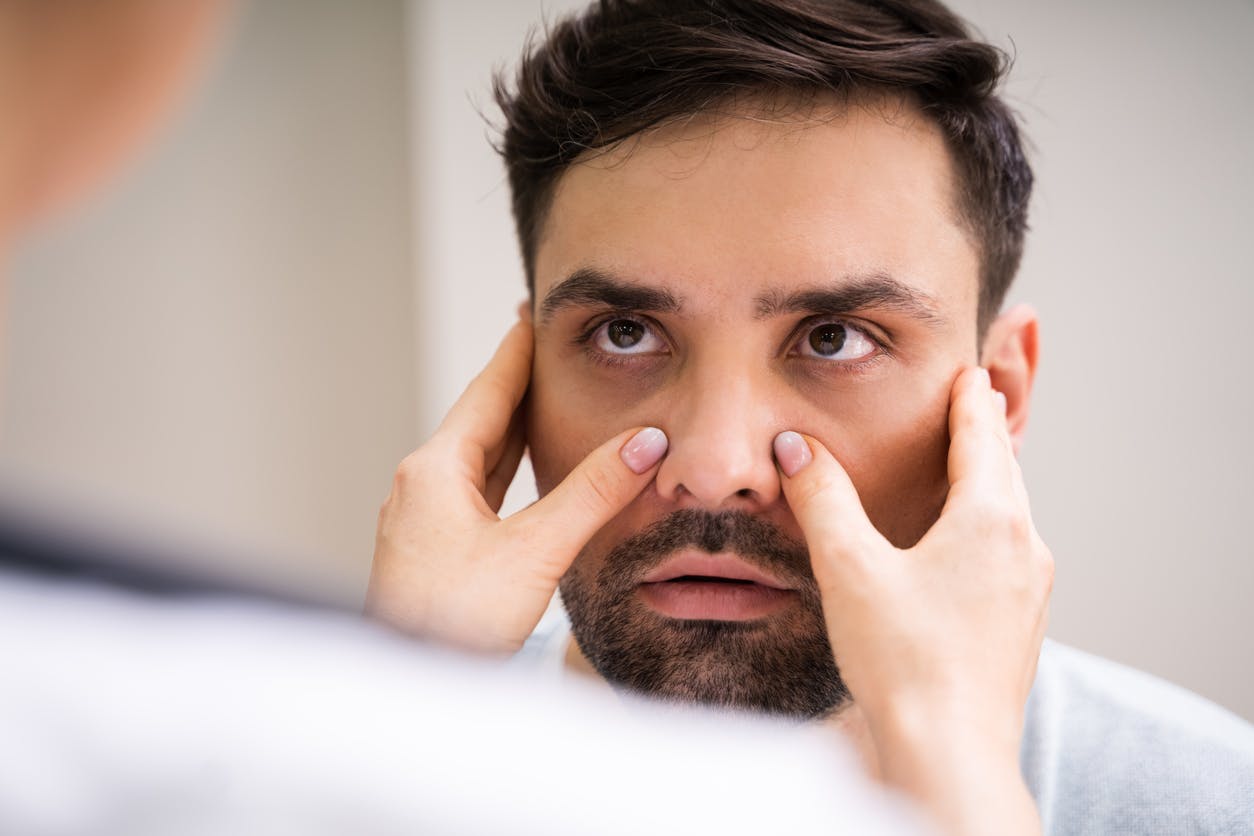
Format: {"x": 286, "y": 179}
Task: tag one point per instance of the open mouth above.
{"x": 705, "y": 579}
{"x": 712, "y": 587}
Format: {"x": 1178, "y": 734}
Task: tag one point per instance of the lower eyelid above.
{"x": 876, "y": 345}
{"x": 593, "y": 335}
{"x": 626, "y": 361}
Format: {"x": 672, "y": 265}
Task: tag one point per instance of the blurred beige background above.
{"x": 245, "y": 335}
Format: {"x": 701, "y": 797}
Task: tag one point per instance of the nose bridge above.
{"x": 721, "y": 431}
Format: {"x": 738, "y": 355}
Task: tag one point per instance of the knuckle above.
{"x": 497, "y": 391}
{"x": 413, "y": 476}
{"x": 406, "y": 472}
{"x": 811, "y": 490}
{"x": 999, "y": 517}
{"x": 968, "y": 421}
{"x": 597, "y": 488}
{"x": 1019, "y": 526}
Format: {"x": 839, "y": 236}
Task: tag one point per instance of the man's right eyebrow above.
{"x": 589, "y": 286}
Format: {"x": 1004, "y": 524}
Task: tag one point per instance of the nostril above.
{"x": 745, "y": 493}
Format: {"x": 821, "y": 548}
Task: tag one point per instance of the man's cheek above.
{"x": 895, "y": 457}
{"x": 552, "y": 461}
{"x": 566, "y": 422}
{"x": 902, "y": 481}
{"x": 557, "y": 445}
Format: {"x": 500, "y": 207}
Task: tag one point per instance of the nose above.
{"x": 721, "y": 428}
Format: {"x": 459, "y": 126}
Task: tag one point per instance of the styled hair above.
{"x": 623, "y": 67}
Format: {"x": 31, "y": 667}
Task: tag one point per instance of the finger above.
{"x": 1012, "y": 456}
{"x": 980, "y": 453}
{"x": 483, "y": 413}
{"x": 824, "y": 500}
{"x": 492, "y": 457}
{"x": 502, "y": 474}
{"x": 591, "y": 495}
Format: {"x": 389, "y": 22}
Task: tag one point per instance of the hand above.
{"x": 445, "y": 565}
{"x": 937, "y": 643}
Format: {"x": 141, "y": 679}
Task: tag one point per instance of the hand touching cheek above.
{"x": 445, "y": 565}
{"x": 937, "y": 643}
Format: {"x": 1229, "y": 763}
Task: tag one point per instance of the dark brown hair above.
{"x": 625, "y": 66}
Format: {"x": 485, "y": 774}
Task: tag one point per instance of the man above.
{"x": 140, "y": 700}
{"x": 767, "y": 245}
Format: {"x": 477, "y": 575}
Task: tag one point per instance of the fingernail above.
{"x": 984, "y": 378}
{"x": 645, "y": 449}
{"x": 792, "y": 452}
{"x": 1000, "y": 398}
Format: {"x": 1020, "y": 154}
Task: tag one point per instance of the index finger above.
{"x": 482, "y": 414}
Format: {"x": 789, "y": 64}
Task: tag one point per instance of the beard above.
{"x": 781, "y": 664}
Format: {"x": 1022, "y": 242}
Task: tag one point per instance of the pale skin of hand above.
{"x": 446, "y": 567}
{"x": 937, "y": 643}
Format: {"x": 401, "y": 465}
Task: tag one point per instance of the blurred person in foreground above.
{"x": 773, "y": 403}
{"x": 138, "y": 701}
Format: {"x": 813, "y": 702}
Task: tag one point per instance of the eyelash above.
{"x": 584, "y": 341}
{"x": 882, "y": 345}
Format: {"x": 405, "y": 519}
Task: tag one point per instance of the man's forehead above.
{"x": 764, "y": 211}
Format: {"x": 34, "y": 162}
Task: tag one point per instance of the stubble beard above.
{"x": 780, "y": 665}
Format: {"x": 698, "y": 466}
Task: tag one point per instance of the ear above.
{"x": 1010, "y": 354}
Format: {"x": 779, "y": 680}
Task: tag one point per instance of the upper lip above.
{"x": 704, "y": 564}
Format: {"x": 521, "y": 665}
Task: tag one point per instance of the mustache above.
{"x": 754, "y": 539}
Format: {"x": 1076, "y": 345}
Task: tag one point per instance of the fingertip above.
{"x": 980, "y": 377}
{"x": 792, "y": 452}
{"x": 970, "y": 383}
{"x": 644, "y": 449}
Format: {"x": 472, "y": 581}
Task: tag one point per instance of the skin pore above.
{"x": 736, "y": 275}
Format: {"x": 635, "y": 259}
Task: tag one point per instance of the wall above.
{"x": 222, "y": 343}
{"x": 1139, "y": 456}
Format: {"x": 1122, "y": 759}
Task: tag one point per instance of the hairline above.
{"x": 744, "y": 104}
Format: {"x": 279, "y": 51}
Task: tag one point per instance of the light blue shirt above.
{"x": 1111, "y": 750}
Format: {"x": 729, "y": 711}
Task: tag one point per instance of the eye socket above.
{"x": 837, "y": 341}
{"x": 627, "y": 336}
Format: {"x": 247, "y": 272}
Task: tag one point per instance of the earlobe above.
{"x": 1010, "y": 354}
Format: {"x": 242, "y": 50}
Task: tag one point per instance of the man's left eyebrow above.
{"x": 849, "y": 296}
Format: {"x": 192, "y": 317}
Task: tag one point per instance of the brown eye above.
{"x": 623, "y": 333}
{"x": 827, "y": 339}
{"x": 628, "y": 336}
{"x": 837, "y": 342}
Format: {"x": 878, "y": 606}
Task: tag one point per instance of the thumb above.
{"x": 824, "y": 501}
{"x": 592, "y": 494}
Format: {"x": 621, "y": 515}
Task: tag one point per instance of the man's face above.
{"x": 725, "y": 280}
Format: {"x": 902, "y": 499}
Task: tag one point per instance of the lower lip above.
{"x": 712, "y": 600}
